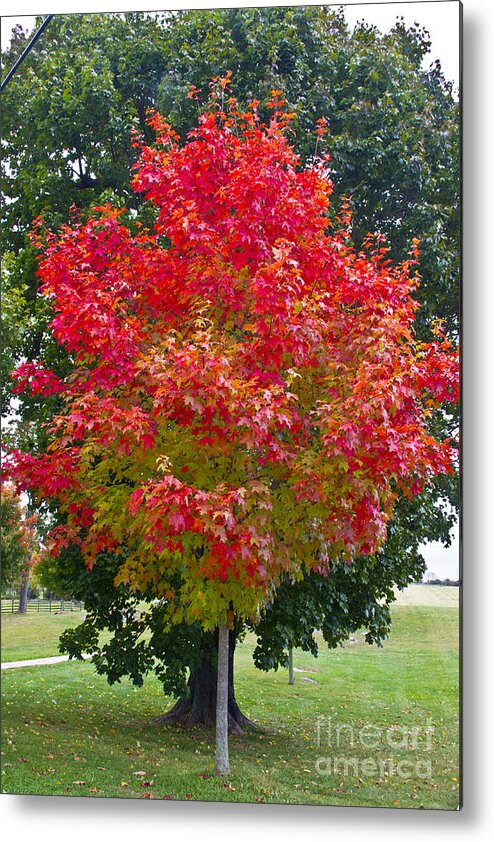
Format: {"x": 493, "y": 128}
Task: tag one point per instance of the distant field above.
{"x": 444, "y": 596}
{"x": 36, "y": 635}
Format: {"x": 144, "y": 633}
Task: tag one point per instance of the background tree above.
{"x": 19, "y": 544}
{"x": 48, "y": 578}
{"x": 12, "y": 537}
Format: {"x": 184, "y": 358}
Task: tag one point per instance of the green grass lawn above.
{"x": 33, "y": 635}
{"x": 387, "y": 719}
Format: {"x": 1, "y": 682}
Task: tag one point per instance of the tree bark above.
{"x": 222, "y": 761}
{"x": 23, "y": 592}
{"x": 291, "y": 678}
{"x": 198, "y": 706}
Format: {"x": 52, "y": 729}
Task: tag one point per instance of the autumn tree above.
{"x": 19, "y": 543}
{"x": 248, "y": 395}
{"x": 394, "y": 140}
{"x": 393, "y": 137}
{"x": 12, "y": 536}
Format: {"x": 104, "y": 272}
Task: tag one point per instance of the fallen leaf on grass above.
{"x": 79, "y": 783}
{"x": 93, "y": 789}
{"x": 140, "y": 774}
{"x": 123, "y": 783}
{"x": 229, "y": 786}
{"x": 147, "y": 783}
{"x": 260, "y": 799}
{"x": 148, "y": 795}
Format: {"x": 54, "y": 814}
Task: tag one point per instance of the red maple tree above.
{"x": 248, "y": 397}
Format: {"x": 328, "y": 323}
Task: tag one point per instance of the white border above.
{"x": 80, "y": 819}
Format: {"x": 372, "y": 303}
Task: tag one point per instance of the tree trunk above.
{"x": 24, "y": 589}
{"x": 291, "y": 678}
{"x": 222, "y": 762}
{"x": 198, "y": 706}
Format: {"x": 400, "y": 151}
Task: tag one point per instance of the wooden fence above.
{"x": 11, "y": 606}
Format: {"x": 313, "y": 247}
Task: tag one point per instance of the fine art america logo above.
{"x": 370, "y": 751}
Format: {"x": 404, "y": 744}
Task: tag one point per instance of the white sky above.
{"x": 439, "y": 17}
{"x": 443, "y": 561}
